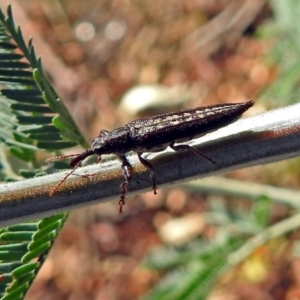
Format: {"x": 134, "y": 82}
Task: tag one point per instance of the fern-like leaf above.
{"x": 31, "y": 115}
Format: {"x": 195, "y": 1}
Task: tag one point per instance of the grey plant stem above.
{"x": 261, "y": 139}
{"x": 272, "y": 232}
{"x": 237, "y": 188}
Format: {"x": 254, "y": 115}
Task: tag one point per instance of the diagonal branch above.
{"x": 261, "y": 139}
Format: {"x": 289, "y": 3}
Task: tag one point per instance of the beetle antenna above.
{"x": 75, "y": 163}
{"x": 61, "y": 157}
{"x": 53, "y": 191}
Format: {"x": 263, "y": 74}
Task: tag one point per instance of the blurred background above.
{"x": 113, "y": 61}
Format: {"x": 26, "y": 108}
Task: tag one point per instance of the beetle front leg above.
{"x": 127, "y": 172}
{"x": 148, "y": 165}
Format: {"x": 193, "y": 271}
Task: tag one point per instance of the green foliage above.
{"x": 31, "y": 110}
{"x": 193, "y": 269}
{"x": 23, "y": 243}
{"x": 284, "y": 30}
{"x": 32, "y": 119}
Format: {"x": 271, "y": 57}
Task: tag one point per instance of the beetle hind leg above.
{"x": 149, "y": 166}
{"x": 184, "y": 147}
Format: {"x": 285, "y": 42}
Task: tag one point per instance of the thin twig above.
{"x": 265, "y": 138}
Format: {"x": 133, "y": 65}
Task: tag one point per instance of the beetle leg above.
{"x": 127, "y": 172}
{"x": 183, "y": 147}
{"x": 148, "y": 165}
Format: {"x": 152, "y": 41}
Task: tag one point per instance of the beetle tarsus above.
{"x": 127, "y": 172}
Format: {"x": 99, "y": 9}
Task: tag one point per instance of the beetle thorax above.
{"x": 116, "y": 141}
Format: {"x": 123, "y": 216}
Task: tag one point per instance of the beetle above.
{"x": 155, "y": 134}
